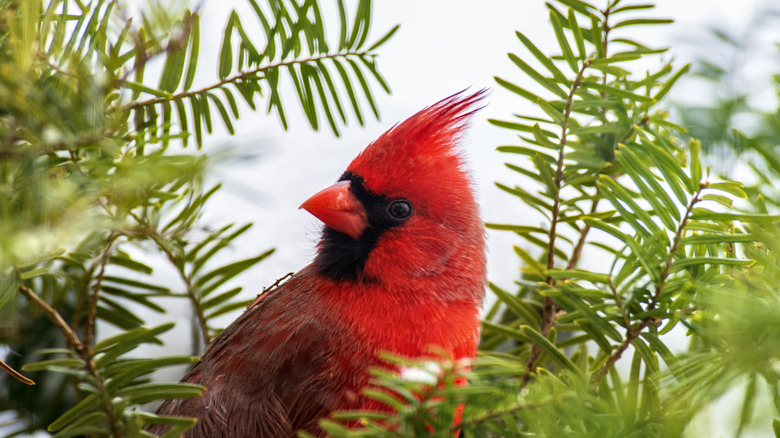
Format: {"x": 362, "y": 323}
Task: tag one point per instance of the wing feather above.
{"x": 280, "y": 367}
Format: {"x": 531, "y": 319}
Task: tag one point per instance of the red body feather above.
{"x": 400, "y": 268}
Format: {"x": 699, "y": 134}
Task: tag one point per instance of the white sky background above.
{"x": 443, "y": 46}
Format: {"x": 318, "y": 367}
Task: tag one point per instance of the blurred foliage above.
{"x": 737, "y": 120}
{"x": 96, "y": 180}
{"x": 633, "y": 244}
{"x": 727, "y": 102}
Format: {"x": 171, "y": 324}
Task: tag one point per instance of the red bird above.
{"x": 400, "y": 267}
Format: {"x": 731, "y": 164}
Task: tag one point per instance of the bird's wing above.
{"x": 278, "y": 368}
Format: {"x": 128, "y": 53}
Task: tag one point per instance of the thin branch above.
{"x": 198, "y": 310}
{"x": 634, "y": 332}
{"x": 89, "y": 328}
{"x": 84, "y": 290}
{"x": 271, "y": 288}
{"x": 70, "y": 336}
{"x": 91, "y": 366}
{"x": 89, "y": 333}
{"x": 73, "y": 342}
{"x": 675, "y": 246}
{"x": 559, "y": 169}
{"x": 605, "y": 41}
{"x": 575, "y": 257}
{"x": 497, "y": 414}
{"x": 619, "y": 302}
{"x": 45, "y": 59}
{"x": 202, "y": 328}
{"x": 550, "y": 307}
{"x": 577, "y": 252}
{"x": 238, "y": 77}
{"x": 15, "y": 374}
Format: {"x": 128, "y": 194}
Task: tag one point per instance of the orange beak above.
{"x": 338, "y": 208}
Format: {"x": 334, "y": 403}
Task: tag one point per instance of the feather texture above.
{"x": 413, "y": 279}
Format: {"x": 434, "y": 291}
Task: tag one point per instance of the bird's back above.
{"x": 282, "y": 365}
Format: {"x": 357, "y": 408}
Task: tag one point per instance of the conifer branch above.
{"x": 248, "y": 74}
{"x": 89, "y": 328}
{"x": 577, "y": 252}
{"x": 201, "y": 328}
{"x": 550, "y": 307}
{"x": 71, "y": 339}
{"x": 73, "y": 342}
{"x": 633, "y": 332}
{"x": 496, "y": 414}
{"x": 200, "y": 316}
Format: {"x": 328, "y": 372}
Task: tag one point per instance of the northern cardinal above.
{"x": 400, "y": 267}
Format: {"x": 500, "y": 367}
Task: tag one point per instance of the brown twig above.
{"x": 675, "y": 246}
{"x": 73, "y": 342}
{"x": 200, "y": 327}
{"x": 268, "y": 289}
{"x": 605, "y": 43}
{"x": 71, "y": 339}
{"x": 497, "y": 414}
{"x": 89, "y": 328}
{"x": 89, "y": 333}
{"x": 575, "y": 257}
{"x": 577, "y": 252}
{"x": 277, "y": 282}
{"x": 199, "y": 313}
{"x": 15, "y": 374}
{"x": 550, "y": 307}
{"x": 91, "y": 366}
{"x": 240, "y": 76}
{"x": 83, "y": 301}
{"x": 632, "y": 333}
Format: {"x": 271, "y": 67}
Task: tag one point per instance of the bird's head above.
{"x": 405, "y": 206}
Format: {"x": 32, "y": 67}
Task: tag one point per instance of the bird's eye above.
{"x": 400, "y": 209}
